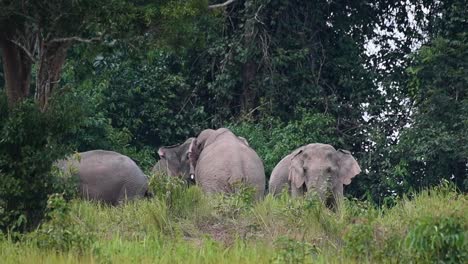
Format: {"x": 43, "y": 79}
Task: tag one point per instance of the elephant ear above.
{"x": 349, "y": 167}
{"x": 296, "y": 170}
{"x": 161, "y": 153}
{"x": 185, "y": 149}
{"x": 194, "y": 151}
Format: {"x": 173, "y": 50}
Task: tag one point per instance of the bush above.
{"x": 231, "y": 205}
{"x": 292, "y": 251}
{"x": 274, "y": 139}
{"x": 31, "y": 140}
{"x": 360, "y": 241}
{"x": 94, "y": 129}
{"x": 30, "y": 143}
{"x": 152, "y": 96}
{"x": 175, "y": 193}
{"x": 60, "y": 232}
{"x": 438, "y": 240}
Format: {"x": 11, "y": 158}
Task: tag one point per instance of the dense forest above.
{"x": 386, "y": 80}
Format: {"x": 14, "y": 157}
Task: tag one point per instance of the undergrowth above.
{"x": 180, "y": 224}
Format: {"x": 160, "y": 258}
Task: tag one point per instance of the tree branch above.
{"x": 78, "y": 39}
{"x": 26, "y": 51}
{"x": 221, "y": 5}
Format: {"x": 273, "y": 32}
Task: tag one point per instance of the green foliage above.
{"x": 95, "y": 130}
{"x": 174, "y": 192}
{"x": 280, "y": 73}
{"x": 66, "y": 183}
{"x": 367, "y": 240}
{"x": 273, "y": 139}
{"x": 30, "y": 142}
{"x": 435, "y": 146}
{"x": 153, "y": 99}
{"x": 362, "y": 209}
{"x": 60, "y": 232}
{"x": 360, "y": 241}
{"x": 232, "y": 205}
{"x": 430, "y": 228}
{"x": 438, "y": 239}
{"x": 137, "y": 101}
{"x": 292, "y": 251}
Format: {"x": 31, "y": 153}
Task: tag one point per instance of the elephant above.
{"x": 317, "y": 167}
{"x": 219, "y": 159}
{"x": 106, "y": 176}
{"x": 174, "y": 160}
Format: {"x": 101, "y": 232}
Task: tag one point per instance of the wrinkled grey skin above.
{"x": 219, "y": 159}
{"x": 317, "y": 167}
{"x": 160, "y": 168}
{"x": 174, "y": 160}
{"x": 106, "y": 176}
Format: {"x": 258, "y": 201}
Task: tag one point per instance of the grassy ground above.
{"x": 181, "y": 225}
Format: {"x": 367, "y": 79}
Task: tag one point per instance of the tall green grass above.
{"x": 183, "y": 225}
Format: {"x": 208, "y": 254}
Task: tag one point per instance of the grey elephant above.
{"x": 317, "y": 167}
{"x": 106, "y": 176}
{"x": 219, "y": 159}
{"x": 174, "y": 160}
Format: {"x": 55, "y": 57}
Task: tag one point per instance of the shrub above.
{"x": 30, "y": 143}
{"x": 153, "y": 98}
{"x": 93, "y": 129}
{"x": 293, "y": 251}
{"x": 60, "y": 232}
{"x": 273, "y": 139}
{"x": 438, "y": 240}
{"x": 359, "y": 241}
{"x": 31, "y": 140}
{"x": 231, "y": 205}
{"x": 174, "y": 192}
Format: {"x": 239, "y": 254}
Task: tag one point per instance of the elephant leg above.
{"x": 297, "y": 192}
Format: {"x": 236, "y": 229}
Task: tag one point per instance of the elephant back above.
{"x": 107, "y": 176}
{"x": 228, "y": 160}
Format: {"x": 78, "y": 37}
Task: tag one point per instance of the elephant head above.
{"x": 175, "y": 159}
{"x": 321, "y": 168}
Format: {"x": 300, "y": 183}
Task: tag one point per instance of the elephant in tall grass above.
{"x": 315, "y": 167}
{"x": 106, "y": 176}
{"x": 174, "y": 160}
{"x": 219, "y": 159}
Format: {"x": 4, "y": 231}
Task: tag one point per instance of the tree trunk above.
{"x": 249, "y": 68}
{"x": 17, "y": 70}
{"x": 249, "y": 94}
{"x": 51, "y": 60}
